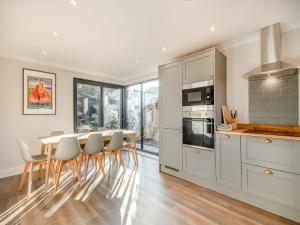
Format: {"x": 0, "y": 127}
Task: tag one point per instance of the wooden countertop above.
{"x": 278, "y": 132}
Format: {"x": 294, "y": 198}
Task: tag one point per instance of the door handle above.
{"x": 268, "y": 172}
{"x": 227, "y": 136}
{"x": 268, "y": 141}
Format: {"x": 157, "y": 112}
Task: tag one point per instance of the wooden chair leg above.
{"x": 23, "y": 176}
{"x": 30, "y": 179}
{"x": 86, "y": 165}
{"x": 120, "y": 153}
{"x": 58, "y": 175}
{"x": 53, "y": 171}
{"x": 77, "y": 172}
{"x": 80, "y": 163}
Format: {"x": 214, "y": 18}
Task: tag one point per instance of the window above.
{"x": 112, "y": 107}
{"x": 97, "y": 105}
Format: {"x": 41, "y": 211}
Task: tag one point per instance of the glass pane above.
{"x": 112, "y": 108}
{"x": 150, "y": 110}
{"x": 133, "y": 110}
{"x": 88, "y": 106}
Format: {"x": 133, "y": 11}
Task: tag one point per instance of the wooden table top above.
{"x": 84, "y": 136}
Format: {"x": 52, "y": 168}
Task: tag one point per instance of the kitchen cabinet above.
{"x": 171, "y": 96}
{"x": 228, "y": 160}
{"x": 199, "y": 163}
{"x": 171, "y": 149}
{"x": 275, "y": 185}
{"x": 199, "y": 67}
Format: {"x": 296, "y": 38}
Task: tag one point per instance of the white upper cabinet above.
{"x": 171, "y": 96}
{"x": 199, "y": 67}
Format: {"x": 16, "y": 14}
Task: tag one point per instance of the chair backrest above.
{"x": 116, "y": 141}
{"x": 24, "y": 151}
{"x": 82, "y": 131}
{"x": 94, "y": 144}
{"x": 57, "y": 133}
{"x": 102, "y": 129}
{"x": 68, "y": 148}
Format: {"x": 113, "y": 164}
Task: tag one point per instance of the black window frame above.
{"x": 77, "y": 81}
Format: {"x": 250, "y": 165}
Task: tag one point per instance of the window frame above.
{"x": 77, "y": 81}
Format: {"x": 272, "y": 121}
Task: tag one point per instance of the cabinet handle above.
{"x": 227, "y": 136}
{"x": 268, "y": 172}
{"x": 268, "y": 141}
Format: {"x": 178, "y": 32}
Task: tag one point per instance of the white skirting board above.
{"x": 11, "y": 171}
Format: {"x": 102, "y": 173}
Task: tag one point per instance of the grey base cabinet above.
{"x": 199, "y": 163}
{"x": 228, "y": 161}
{"x": 171, "y": 149}
{"x": 275, "y": 185}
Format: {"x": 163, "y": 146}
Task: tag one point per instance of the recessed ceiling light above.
{"x": 115, "y": 70}
{"x": 212, "y": 28}
{"x": 55, "y": 33}
{"x": 164, "y": 49}
{"x": 137, "y": 61}
{"x": 73, "y": 2}
{"x": 44, "y": 52}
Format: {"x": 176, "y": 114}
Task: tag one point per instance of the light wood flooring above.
{"x": 137, "y": 195}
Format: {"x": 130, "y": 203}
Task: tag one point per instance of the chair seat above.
{"x": 38, "y": 158}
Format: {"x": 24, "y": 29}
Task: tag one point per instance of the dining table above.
{"x": 50, "y": 143}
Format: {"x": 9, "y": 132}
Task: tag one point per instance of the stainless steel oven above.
{"x": 198, "y": 96}
{"x": 198, "y": 129}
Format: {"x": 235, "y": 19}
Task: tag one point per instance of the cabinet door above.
{"x": 171, "y": 96}
{"x": 228, "y": 158}
{"x": 171, "y": 149}
{"x": 199, "y": 68}
{"x": 199, "y": 163}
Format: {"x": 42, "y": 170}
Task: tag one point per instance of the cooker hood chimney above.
{"x": 270, "y": 48}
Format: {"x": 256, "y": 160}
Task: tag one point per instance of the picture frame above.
{"x": 39, "y": 92}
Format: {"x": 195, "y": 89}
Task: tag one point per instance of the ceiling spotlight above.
{"x": 73, "y": 2}
{"x": 55, "y": 33}
{"x": 212, "y": 28}
{"x": 136, "y": 61}
{"x": 115, "y": 70}
{"x": 164, "y": 49}
{"x": 44, "y": 52}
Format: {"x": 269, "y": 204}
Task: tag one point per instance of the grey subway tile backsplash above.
{"x": 274, "y": 101}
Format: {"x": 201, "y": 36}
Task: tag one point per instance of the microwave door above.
{"x": 193, "y": 97}
{"x": 193, "y": 132}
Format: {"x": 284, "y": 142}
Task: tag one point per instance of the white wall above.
{"x": 243, "y": 56}
{"x": 14, "y": 125}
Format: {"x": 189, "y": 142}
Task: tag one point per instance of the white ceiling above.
{"x": 105, "y": 37}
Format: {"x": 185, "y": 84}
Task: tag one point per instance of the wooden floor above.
{"x": 137, "y": 195}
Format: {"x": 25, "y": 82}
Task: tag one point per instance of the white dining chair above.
{"x": 67, "y": 151}
{"x": 115, "y": 149}
{"x": 93, "y": 149}
{"x": 31, "y": 161}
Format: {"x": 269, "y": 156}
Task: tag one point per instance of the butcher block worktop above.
{"x": 272, "y": 131}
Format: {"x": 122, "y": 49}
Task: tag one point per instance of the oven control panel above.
{"x": 198, "y": 114}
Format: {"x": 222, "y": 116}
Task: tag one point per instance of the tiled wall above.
{"x": 274, "y": 101}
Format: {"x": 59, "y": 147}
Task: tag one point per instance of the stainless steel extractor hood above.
{"x": 270, "y": 47}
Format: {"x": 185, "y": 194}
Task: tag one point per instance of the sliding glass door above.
{"x": 142, "y": 114}
{"x": 97, "y": 105}
{"x": 150, "y": 116}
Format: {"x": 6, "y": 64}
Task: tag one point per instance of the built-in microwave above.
{"x": 198, "y": 96}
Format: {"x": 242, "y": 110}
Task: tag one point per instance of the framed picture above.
{"x": 39, "y": 92}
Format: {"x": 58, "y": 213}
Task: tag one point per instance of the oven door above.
{"x": 192, "y": 97}
{"x": 193, "y": 132}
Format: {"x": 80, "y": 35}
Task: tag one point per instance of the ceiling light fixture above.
{"x": 164, "y": 49}
{"x": 115, "y": 70}
{"x": 212, "y": 28}
{"x": 55, "y": 33}
{"x": 44, "y": 52}
{"x": 73, "y": 2}
{"x": 136, "y": 61}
